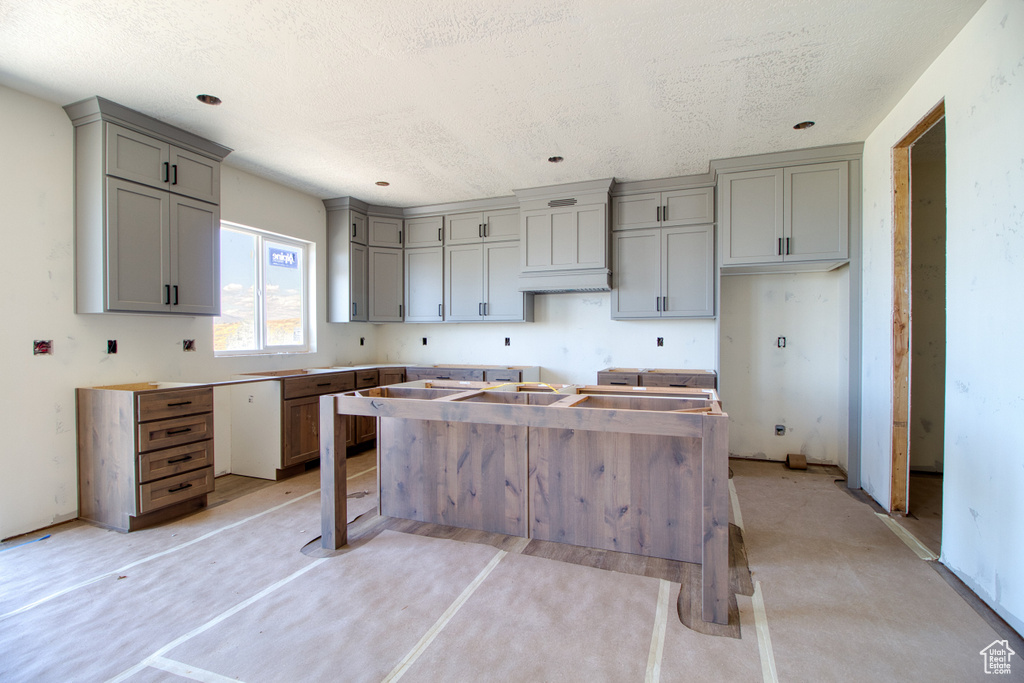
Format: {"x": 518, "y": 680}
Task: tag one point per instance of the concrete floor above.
{"x": 226, "y": 594}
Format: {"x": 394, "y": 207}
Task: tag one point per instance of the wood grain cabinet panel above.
{"x": 301, "y": 433}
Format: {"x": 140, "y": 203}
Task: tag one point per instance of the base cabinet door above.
{"x": 301, "y": 433}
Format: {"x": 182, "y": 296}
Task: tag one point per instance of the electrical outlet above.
{"x": 188, "y": 344}
{"x": 362, "y": 341}
{"x": 424, "y": 341}
{"x": 661, "y": 341}
{"x": 111, "y": 346}
{"x": 508, "y": 341}
{"x": 42, "y": 347}
{"x": 780, "y": 430}
{"x": 781, "y": 342}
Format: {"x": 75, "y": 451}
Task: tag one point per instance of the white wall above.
{"x": 571, "y": 338}
{"x": 981, "y": 77}
{"x": 38, "y": 486}
{"x": 803, "y": 386}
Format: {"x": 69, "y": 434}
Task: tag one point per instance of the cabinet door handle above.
{"x": 353, "y": 229}
{"x": 167, "y": 171}
{"x": 354, "y": 308}
{"x": 480, "y": 230}
{"x": 664, "y": 304}
{"x": 167, "y": 294}
{"x": 788, "y": 252}
{"x": 399, "y": 236}
{"x": 657, "y": 303}
{"x": 779, "y": 252}
{"x": 658, "y": 214}
{"x": 399, "y": 310}
{"x": 175, "y": 295}
{"x": 183, "y": 430}
{"x": 440, "y": 234}
{"x": 485, "y": 230}
{"x": 179, "y": 488}
{"x": 179, "y": 403}
{"x": 184, "y": 458}
{"x": 175, "y": 181}
{"x": 480, "y": 309}
{"x": 485, "y": 308}
{"x": 440, "y": 310}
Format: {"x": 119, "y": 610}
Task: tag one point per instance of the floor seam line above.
{"x": 156, "y": 556}
{"x": 188, "y": 671}
{"x": 657, "y": 651}
{"x": 735, "y": 505}
{"x": 231, "y": 611}
{"x": 764, "y": 639}
{"x": 911, "y": 541}
{"x": 403, "y": 666}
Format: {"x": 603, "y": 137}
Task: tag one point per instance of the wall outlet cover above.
{"x": 111, "y": 346}
{"x": 188, "y": 344}
{"x": 42, "y": 347}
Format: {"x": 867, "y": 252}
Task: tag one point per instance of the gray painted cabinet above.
{"x": 664, "y": 209}
{"x": 424, "y": 291}
{"x": 424, "y": 232}
{"x": 147, "y": 220}
{"x": 481, "y": 284}
{"x": 386, "y": 284}
{"x": 347, "y": 264}
{"x": 385, "y": 231}
{"x": 781, "y": 215}
{"x": 482, "y": 226}
{"x": 564, "y": 237}
{"x": 664, "y": 273}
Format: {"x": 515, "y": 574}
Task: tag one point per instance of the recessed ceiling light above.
{"x": 803, "y": 125}
{"x": 208, "y": 99}
{"x": 556, "y": 160}
{"x": 383, "y": 183}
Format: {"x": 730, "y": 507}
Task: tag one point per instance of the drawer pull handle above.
{"x": 179, "y": 403}
{"x": 184, "y": 458}
{"x": 183, "y": 430}
{"x": 621, "y": 384}
{"x": 324, "y": 384}
{"x": 677, "y": 385}
{"x": 179, "y": 488}
{"x": 439, "y": 377}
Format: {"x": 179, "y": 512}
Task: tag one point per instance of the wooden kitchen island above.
{"x": 643, "y": 472}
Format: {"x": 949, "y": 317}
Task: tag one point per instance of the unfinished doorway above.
{"x": 919, "y": 297}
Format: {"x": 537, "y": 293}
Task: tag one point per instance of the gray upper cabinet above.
{"x": 385, "y": 231}
{"x": 144, "y": 159}
{"x": 424, "y": 291}
{"x": 565, "y": 237}
{"x": 386, "y": 284}
{"x": 427, "y": 231}
{"x": 663, "y": 209}
{"x": 481, "y": 284}
{"x": 664, "y": 273}
{"x": 482, "y": 226}
{"x": 147, "y": 220}
{"x": 347, "y": 265}
{"x": 784, "y": 215}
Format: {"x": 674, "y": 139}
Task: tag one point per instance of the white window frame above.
{"x": 305, "y": 250}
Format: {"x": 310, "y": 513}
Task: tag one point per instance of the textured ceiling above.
{"x": 462, "y": 99}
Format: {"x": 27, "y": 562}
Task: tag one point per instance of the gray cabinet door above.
{"x": 464, "y": 282}
{"x": 359, "y": 283}
{"x": 637, "y": 273}
{"x": 194, "y": 175}
{"x": 565, "y": 237}
{"x": 501, "y": 226}
{"x": 502, "y": 298}
{"x": 360, "y": 231}
{"x": 385, "y": 232}
{"x": 424, "y": 275}
{"x": 688, "y": 272}
{"x": 137, "y": 157}
{"x": 636, "y": 212}
{"x": 816, "y": 214}
{"x": 750, "y": 211}
{"x": 138, "y": 248}
{"x": 195, "y": 257}
{"x": 424, "y": 232}
{"x": 385, "y": 285}
{"x": 688, "y": 207}
{"x": 464, "y": 228}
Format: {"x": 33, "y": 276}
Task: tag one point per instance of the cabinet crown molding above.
{"x": 101, "y": 109}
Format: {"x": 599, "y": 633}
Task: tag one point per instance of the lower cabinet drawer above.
{"x": 366, "y": 379}
{"x": 175, "y": 432}
{"x": 170, "y": 461}
{"x": 625, "y": 379}
{"x": 503, "y": 375}
{"x": 171, "y": 490}
{"x": 699, "y": 380}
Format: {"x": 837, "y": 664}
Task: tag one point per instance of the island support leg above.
{"x": 715, "y": 555}
{"x": 333, "y": 484}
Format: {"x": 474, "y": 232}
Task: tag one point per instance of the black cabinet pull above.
{"x": 677, "y": 385}
{"x": 621, "y": 384}
{"x": 353, "y": 229}
{"x": 440, "y": 234}
{"x": 788, "y": 252}
{"x": 167, "y": 171}
{"x": 324, "y": 384}
{"x": 440, "y": 310}
{"x": 179, "y": 403}
{"x": 167, "y": 295}
{"x": 184, "y": 458}
{"x": 664, "y": 213}
{"x": 399, "y": 310}
{"x": 399, "y": 236}
{"x": 183, "y": 430}
{"x": 657, "y": 213}
{"x": 175, "y": 181}
{"x": 779, "y": 252}
{"x": 354, "y": 308}
{"x": 179, "y": 488}
{"x": 664, "y": 304}
{"x": 657, "y": 303}
{"x": 175, "y": 295}
{"x": 480, "y": 230}
{"x": 439, "y": 377}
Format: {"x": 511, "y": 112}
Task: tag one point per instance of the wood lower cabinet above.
{"x": 301, "y": 430}
{"x": 656, "y": 377}
{"x": 145, "y": 453}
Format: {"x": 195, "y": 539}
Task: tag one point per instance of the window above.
{"x": 264, "y": 301}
